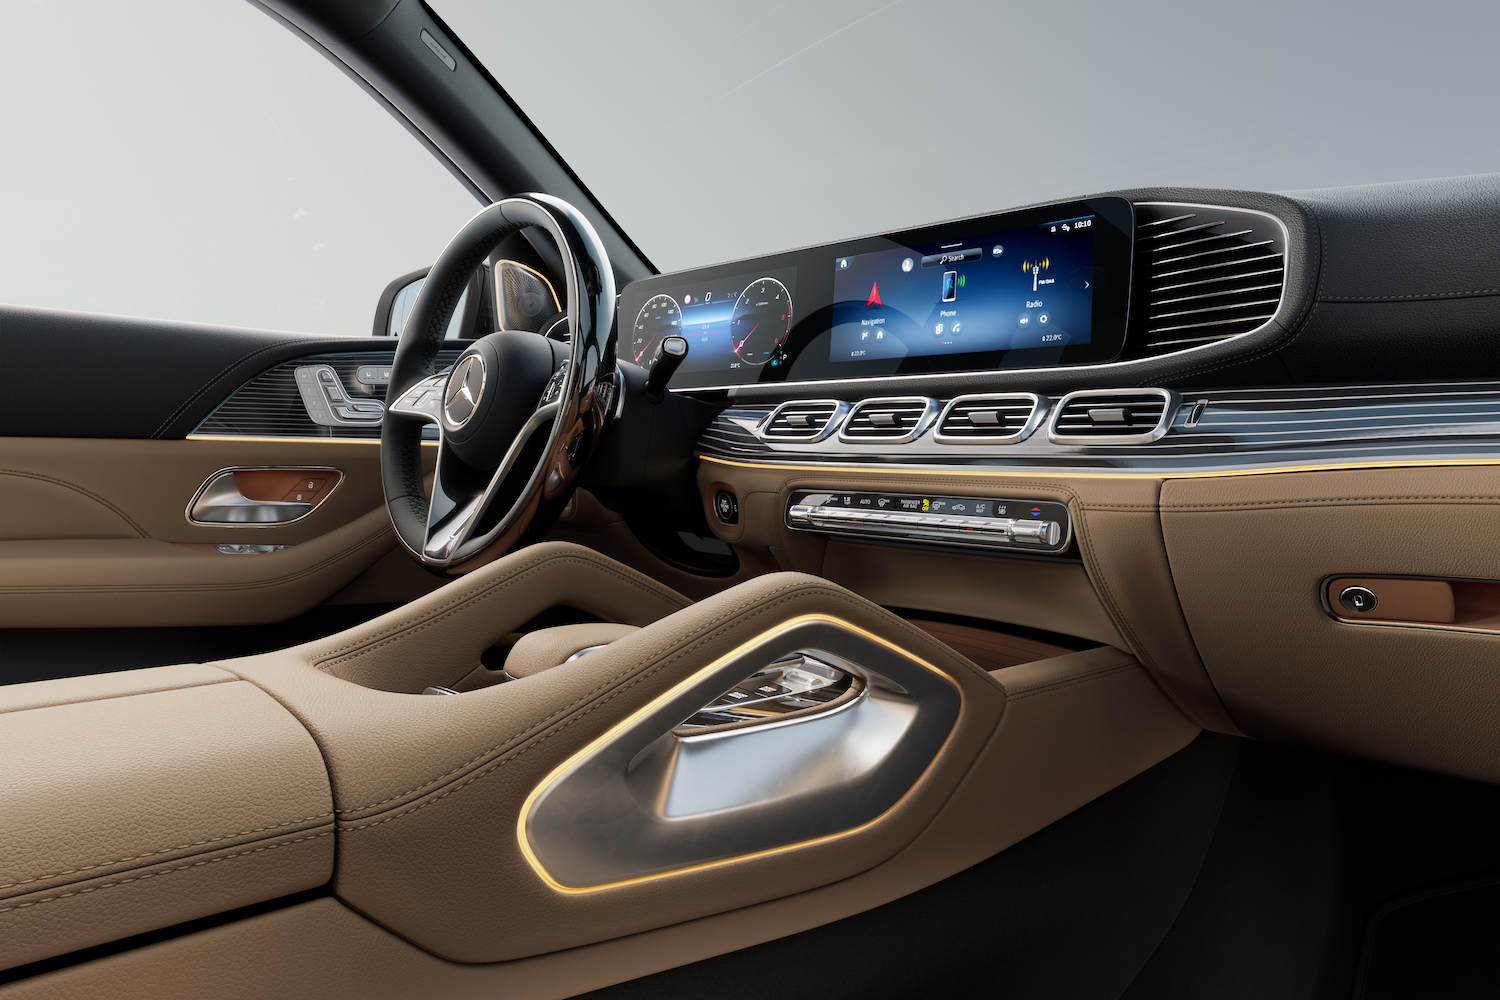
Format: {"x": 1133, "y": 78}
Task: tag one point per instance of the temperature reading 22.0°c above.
{"x": 762, "y": 318}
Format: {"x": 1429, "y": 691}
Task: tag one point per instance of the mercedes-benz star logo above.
{"x": 465, "y": 390}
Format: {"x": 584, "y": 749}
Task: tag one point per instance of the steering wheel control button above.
{"x": 726, "y": 507}
{"x": 553, "y": 392}
{"x": 965, "y": 522}
{"x": 1360, "y": 600}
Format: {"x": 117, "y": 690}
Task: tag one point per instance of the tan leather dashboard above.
{"x": 1215, "y": 583}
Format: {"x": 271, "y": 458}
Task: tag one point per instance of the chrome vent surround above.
{"x": 803, "y": 420}
{"x": 1113, "y": 416}
{"x": 990, "y": 418}
{"x": 888, "y": 420}
{"x": 1203, "y": 274}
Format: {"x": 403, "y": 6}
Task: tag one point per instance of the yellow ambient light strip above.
{"x": 288, "y": 440}
{"x": 668, "y": 695}
{"x": 876, "y": 471}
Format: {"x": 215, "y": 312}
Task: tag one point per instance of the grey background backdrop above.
{"x": 715, "y": 130}
{"x": 191, "y": 159}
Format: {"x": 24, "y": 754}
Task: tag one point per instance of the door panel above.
{"x": 96, "y": 532}
{"x": 138, "y": 378}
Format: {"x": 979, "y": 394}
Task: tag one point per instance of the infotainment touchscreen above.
{"x": 1039, "y": 287}
{"x": 1017, "y": 289}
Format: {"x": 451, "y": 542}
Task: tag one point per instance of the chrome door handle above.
{"x": 219, "y": 501}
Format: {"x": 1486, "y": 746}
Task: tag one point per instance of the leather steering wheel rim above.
{"x": 455, "y": 533}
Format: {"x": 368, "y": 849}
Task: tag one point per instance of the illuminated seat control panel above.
{"x": 971, "y": 522}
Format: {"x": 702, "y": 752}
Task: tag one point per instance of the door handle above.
{"x": 220, "y": 501}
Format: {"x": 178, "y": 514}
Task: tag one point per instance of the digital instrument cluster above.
{"x": 738, "y": 322}
{"x": 1039, "y": 287}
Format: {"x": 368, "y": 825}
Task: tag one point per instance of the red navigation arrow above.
{"x": 874, "y": 299}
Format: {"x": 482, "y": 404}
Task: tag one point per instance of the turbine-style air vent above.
{"x": 1202, "y": 274}
{"x": 888, "y": 420}
{"x": 1113, "y": 416}
{"x": 803, "y": 420}
{"x": 994, "y": 418}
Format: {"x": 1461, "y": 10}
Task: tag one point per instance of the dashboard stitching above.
{"x": 524, "y": 734}
{"x": 623, "y": 683}
{"x": 78, "y": 489}
{"x": 165, "y": 850}
{"x": 1483, "y": 501}
{"x": 1100, "y": 674}
{"x": 442, "y": 610}
{"x": 1413, "y": 295}
{"x": 165, "y": 871}
{"x": 197, "y": 588}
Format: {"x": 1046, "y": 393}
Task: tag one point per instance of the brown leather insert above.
{"x": 275, "y": 485}
{"x": 1471, "y": 604}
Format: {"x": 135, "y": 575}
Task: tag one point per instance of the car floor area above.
{"x": 1234, "y": 870}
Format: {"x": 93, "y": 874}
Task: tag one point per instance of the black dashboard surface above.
{"x": 1383, "y": 283}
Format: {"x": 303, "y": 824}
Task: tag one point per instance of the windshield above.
{"x": 714, "y": 131}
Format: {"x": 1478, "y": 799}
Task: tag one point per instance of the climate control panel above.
{"x": 978, "y": 522}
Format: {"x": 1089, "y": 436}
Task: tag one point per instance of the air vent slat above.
{"x": 1217, "y": 266}
{"x": 1238, "y": 248}
{"x": 1189, "y": 229}
{"x": 1218, "y": 280}
{"x": 1206, "y": 323}
{"x": 890, "y": 420}
{"x": 1142, "y": 224}
{"x": 1210, "y": 309}
{"x": 1208, "y": 273}
{"x": 1216, "y": 295}
{"x": 1106, "y": 416}
{"x": 803, "y": 420}
{"x": 1165, "y": 247}
{"x": 992, "y": 419}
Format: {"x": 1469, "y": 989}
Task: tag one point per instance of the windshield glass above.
{"x": 721, "y": 130}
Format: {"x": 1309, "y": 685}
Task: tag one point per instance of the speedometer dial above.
{"x": 761, "y": 320}
{"x": 660, "y": 317}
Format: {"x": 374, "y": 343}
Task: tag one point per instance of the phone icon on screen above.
{"x": 950, "y": 285}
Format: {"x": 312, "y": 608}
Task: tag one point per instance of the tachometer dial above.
{"x": 761, "y": 320}
{"x": 660, "y": 317}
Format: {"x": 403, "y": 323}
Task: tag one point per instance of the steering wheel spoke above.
{"x": 457, "y": 507}
{"x": 517, "y": 414}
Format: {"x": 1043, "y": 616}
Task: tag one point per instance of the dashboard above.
{"x": 1038, "y": 287}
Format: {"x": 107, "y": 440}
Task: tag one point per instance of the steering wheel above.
{"x": 517, "y": 415}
